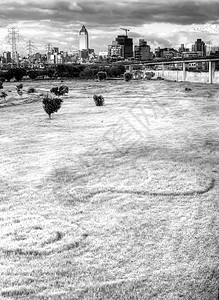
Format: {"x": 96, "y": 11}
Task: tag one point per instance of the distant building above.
{"x": 103, "y": 54}
{"x": 55, "y": 50}
{"x": 199, "y": 47}
{"x": 126, "y": 44}
{"x": 166, "y": 53}
{"x": 183, "y": 49}
{"x": 214, "y": 49}
{"x": 142, "y": 51}
{"x": 198, "y": 66}
{"x": 190, "y": 54}
{"x": 83, "y": 39}
{"x": 7, "y": 57}
{"x": 122, "y": 47}
{"x": 84, "y": 51}
{"x": 115, "y": 50}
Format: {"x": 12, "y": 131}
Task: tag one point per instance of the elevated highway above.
{"x": 210, "y": 60}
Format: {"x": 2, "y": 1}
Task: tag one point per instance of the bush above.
{"x": 50, "y": 73}
{"x": 128, "y": 76}
{"x": 88, "y": 73}
{"x": 72, "y": 71}
{"x": 101, "y": 75}
{"x": 19, "y": 74}
{"x": 33, "y": 74}
{"x": 99, "y": 100}
{"x": 116, "y": 70}
{"x": 149, "y": 75}
{"x": 8, "y": 75}
{"x": 51, "y": 105}
{"x": 31, "y": 90}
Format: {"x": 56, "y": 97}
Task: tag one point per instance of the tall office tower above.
{"x": 142, "y": 51}
{"x": 7, "y": 57}
{"x": 199, "y": 46}
{"x": 83, "y": 39}
{"x": 127, "y": 45}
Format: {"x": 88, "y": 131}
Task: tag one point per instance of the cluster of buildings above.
{"x": 199, "y": 49}
{"x": 121, "y": 48}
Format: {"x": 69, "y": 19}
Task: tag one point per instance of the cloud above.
{"x": 161, "y": 22}
{"x": 129, "y": 13}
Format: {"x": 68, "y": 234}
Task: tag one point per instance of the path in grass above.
{"x": 111, "y": 202}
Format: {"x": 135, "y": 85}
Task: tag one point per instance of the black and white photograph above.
{"x": 109, "y": 150}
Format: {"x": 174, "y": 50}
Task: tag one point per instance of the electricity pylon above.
{"x": 30, "y": 48}
{"x": 13, "y": 36}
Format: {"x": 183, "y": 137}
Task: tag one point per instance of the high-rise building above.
{"x": 83, "y": 39}
{"x": 84, "y": 51}
{"x": 55, "y": 50}
{"x": 127, "y": 45}
{"x": 142, "y": 51}
{"x": 114, "y": 49}
{"x": 121, "y": 47}
{"x": 199, "y": 47}
{"x": 7, "y": 57}
{"x": 182, "y": 48}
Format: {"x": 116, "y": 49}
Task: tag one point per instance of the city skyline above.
{"x": 164, "y": 24}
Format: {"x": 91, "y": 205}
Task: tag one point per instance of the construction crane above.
{"x": 125, "y": 30}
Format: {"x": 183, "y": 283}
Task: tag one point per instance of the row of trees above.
{"x": 65, "y": 71}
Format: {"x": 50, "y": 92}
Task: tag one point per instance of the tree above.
{"x": 88, "y": 73}
{"x": 114, "y": 71}
{"x": 99, "y": 100}
{"x": 8, "y": 75}
{"x": 128, "y": 76}
{"x": 50, "y": 73}
{"x": 19, "y": 74}
{"x": 101, "y": 75}
{"x": 51, "y": 105}
{"x": 32, "y": 74}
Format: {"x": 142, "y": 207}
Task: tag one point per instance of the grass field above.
{"x": 112, "y": 202}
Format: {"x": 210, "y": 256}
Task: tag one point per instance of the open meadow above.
{"x": 112, "y": 202}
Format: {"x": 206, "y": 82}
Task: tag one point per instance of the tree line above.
{"x": 65, "y": 71}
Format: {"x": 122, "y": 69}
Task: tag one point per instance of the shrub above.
{"x": 50, "y": 73}
{"x": 51, "y": 105}
{"x": 32, "y": 74}
{"x": 31, "y": 90}
{"x": 19, "y": 74}
{"x": 128, "y": 76}
{"x": 101, "y": 75}
{"x": 149, "y": 75}
{"x": 88, "y": 73}
{"x": 9, "y": 75}
{"x": 116, "y": 70}
{"x": 99, "y": 100}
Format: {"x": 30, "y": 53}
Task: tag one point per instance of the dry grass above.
{"x": 112, "y": 202}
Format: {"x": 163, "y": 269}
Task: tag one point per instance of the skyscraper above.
{"x": 142, "y": 51}
{"x": 83, "y": 39}
{"x": 127, "y": 45}
{"x": 200, "y": 47}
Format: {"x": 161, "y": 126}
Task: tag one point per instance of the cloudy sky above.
{"x": 161, "y": 22}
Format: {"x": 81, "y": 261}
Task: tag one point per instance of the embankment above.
{"x": 177, "y": 75}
